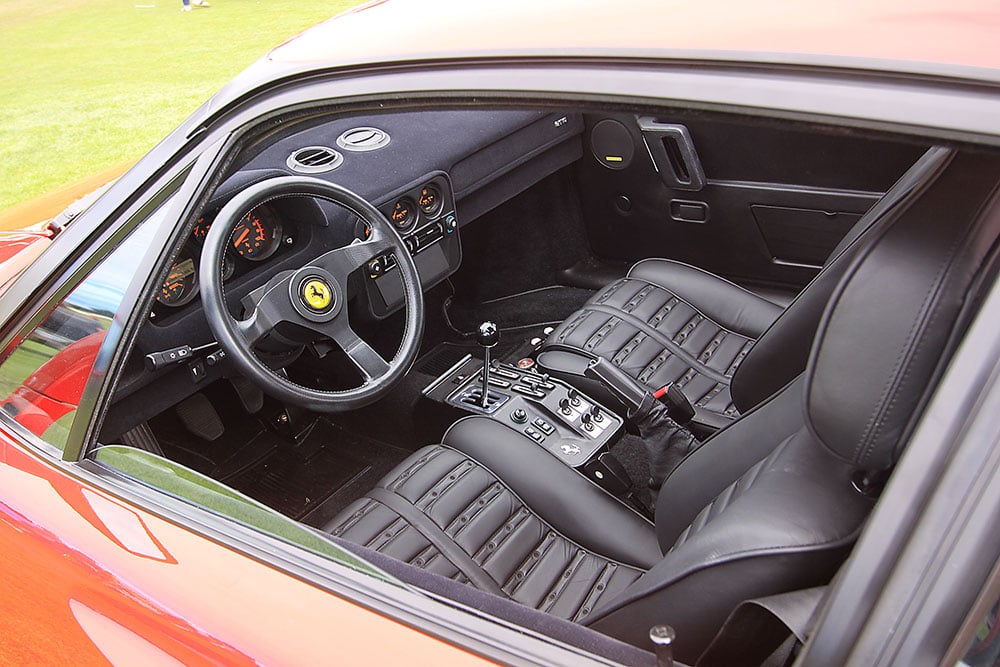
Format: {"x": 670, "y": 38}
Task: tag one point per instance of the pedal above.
{"x": 200, "y": 418}
{"x": 250, "y": 395}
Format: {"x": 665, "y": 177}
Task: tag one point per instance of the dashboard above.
{"x": 429, "y": 172}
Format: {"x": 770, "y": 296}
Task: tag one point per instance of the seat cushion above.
{"x": 441, "y": 511}
{"x": 669, "y": 323}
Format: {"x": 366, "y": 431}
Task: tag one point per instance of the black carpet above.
{"x": 325, "y": 471}
{"x": 547, "y": 305}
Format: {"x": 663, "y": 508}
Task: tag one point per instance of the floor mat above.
{"x": 327, "y": 469}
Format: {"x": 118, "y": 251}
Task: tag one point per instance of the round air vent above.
{"x": 362, "y": 139}
{"x": 314, "y": 160}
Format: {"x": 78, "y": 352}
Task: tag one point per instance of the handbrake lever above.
{"x": 627, "y": 389}
{"x": 636, "y": 396}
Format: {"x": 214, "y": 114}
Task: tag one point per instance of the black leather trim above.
{"x": 724, "y": 302}
{"x": 861, "y": 399}
{"x": 705, "y": 473}
{"x": 666, "y": 342}
{"x": 579, "y": 509}
{"x": 786, "y": 523}
{"x": 446, "y": 545}
{"x": 782, "y": 352}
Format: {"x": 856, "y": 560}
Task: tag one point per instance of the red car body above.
{"x": 92, "y": 578}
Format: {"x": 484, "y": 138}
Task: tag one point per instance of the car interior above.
{"x": 591, "y": 369}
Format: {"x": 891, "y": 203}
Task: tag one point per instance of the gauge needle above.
{"x": 241, "y": 239}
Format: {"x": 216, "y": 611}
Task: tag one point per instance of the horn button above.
{"x": 315, "y": 294}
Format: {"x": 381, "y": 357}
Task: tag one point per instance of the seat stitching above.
{"x": 556, "y": 590}
{"x": 445, "y": 484}
{"x": 530, "y": 562}
{"x": 501, "y": 535}
{"x": 596, "y": 591}
{"x": 667, "y": 343}
{"x": 477, "y": 506}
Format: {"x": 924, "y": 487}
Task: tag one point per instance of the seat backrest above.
{"x": 774, "y": 502}
{"x": 781, "y": 352}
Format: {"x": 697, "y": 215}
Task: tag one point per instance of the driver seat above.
{"x": 771, "y": 504}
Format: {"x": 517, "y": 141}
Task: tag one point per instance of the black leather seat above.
{"x": 771, "y": 504}
{"x": 670, "y": 323}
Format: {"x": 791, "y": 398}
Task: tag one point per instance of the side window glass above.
{"x": 43, "y": 377}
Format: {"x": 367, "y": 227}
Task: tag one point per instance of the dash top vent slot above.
{"x": 673, "y": 154}
{"x": 314, "y": 160}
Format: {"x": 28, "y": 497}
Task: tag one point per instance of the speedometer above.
{"x": 257, "y": 235}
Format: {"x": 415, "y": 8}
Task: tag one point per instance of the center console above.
{"x": 572, "y": 426}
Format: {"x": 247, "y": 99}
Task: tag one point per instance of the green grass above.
{"x": 88, "y": 84}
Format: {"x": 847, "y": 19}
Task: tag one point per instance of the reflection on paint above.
{"x": 117, "y": 643}
{"x": 44, "y": 376}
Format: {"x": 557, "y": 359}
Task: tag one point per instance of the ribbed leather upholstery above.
{"x": 505, "y": 547}
{"x": 667, "y": 322}
{"x": 770, "y": 504}
{"x": 658, "y": 338}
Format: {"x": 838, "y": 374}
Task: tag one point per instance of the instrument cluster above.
{"x": 258, "y": 236}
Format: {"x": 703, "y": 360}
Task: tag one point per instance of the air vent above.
{"x": 314, "y": 160}
{"x": 362, "y": 139}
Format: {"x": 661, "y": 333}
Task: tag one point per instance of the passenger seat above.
{"x": 728, "y": 349}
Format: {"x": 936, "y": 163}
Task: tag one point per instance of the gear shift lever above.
{"x": 488, "y": 335}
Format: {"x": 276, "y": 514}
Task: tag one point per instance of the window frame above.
{"x": 175, "y": 190}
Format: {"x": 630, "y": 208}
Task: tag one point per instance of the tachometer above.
{"x": 404, "y": 213}
{"x": 181, "y": 284}
{"x": 257, "y": 235}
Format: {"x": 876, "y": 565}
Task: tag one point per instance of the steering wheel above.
{"x": 313, "y": 297}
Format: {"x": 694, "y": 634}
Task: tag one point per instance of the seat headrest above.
{"x": 887, "y": 325}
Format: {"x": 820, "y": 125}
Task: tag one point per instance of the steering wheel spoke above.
{"x": 343, "y": 261}
{"x": 368, "y": 361}
{"x": 254, "y": 327}
{"x": 272, "y": 308}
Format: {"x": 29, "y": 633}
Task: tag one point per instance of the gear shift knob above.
{"x": 488, "y": 335}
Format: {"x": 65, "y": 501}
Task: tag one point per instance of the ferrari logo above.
{"x": 316, "y": 295}
{"x": 570, "y": 450}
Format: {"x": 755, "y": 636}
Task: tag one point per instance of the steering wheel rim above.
{"x": 285, "y": 299}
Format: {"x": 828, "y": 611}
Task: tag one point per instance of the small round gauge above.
{"x": 181, "y": 284}
{"x": 429, "y": 200}
{"x": 404, "y": 213}
{"x": 201, "y": 228}
{"x": 257, "y": 235}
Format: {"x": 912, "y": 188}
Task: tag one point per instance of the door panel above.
{"x": 752, "y": 200}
